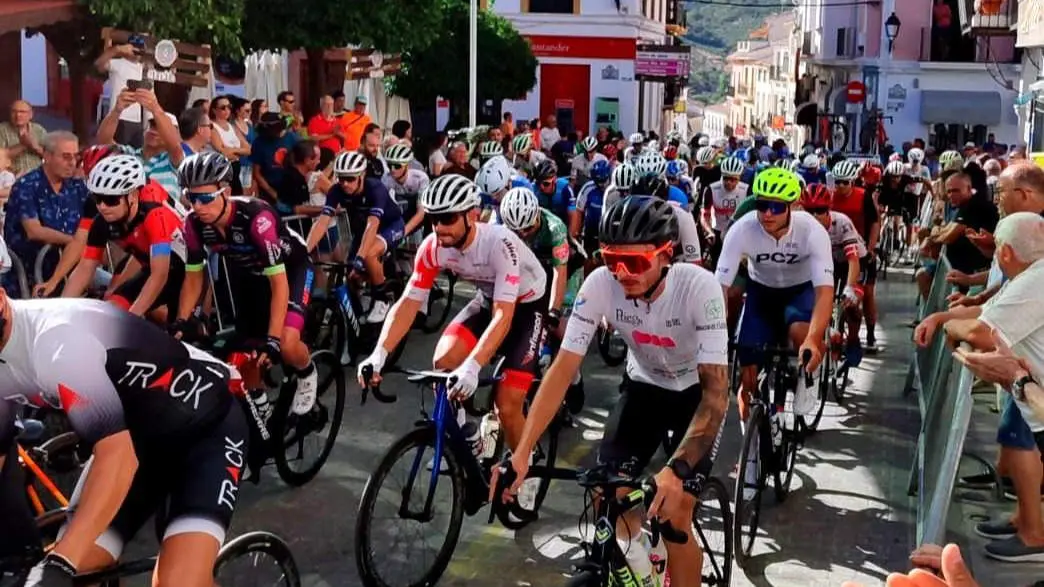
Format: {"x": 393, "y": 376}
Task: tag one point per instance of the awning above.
{"x": 960, "y": 107}
{"x": 16, "y": 15}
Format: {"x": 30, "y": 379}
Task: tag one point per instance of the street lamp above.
{"x": 892, "y": 26}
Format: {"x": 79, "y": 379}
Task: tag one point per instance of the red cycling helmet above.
{"x": 816, "y": 195}
{"x": 610, "y": 151}
{"x": 670, "y": 153}
{"x": 95, "y": 153}
{"x": 871, "y": 175}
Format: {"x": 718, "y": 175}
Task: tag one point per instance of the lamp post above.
{"x": 892, "y": 26}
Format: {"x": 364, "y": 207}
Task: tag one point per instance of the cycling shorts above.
{"x": 251, "y": 296}
{"x": 867, "y": 272}
{"x": 521, "y": 345}
{"x": 767, "y": 315}
{"x": 645, "y": 418}
{"x": 170, "y": 296}
{"x": 194, "y": 484}
{"x": 591, "y": 244}
{"x": 391, "y": 235}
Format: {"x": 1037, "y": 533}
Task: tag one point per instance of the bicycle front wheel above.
{"x": 381, "y": 553}
{"x": 256, "y": 558}
{"x": 750, "y": 481}
{"x": 712, "y": 527}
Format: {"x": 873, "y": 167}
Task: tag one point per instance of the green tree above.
{"x": 316, "y": 25}
{"x": 506, "y": 65}
{"x": 214, "y": 22}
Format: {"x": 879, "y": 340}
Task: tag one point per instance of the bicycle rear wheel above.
{"x": 747, "y": 496}
{"x": 439, "y": 305}
{"x": 712, "y": 527}
{"x": 240, "y": 562}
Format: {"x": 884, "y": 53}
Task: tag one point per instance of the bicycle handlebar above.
{"x": 375, "y": 388}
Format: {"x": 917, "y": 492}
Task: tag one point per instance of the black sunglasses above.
{"x": 773, "y": 206}
{"x": 109, "y": 201}
{"x": 396, "y": 166}
{"x": 842, "y": 182}
{"x": 817, "y": 211}
{"x": 445, "y": 218}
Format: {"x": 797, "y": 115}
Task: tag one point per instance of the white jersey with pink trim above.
{"x": 844, "y": 238}
{"x": 500, "y": 265}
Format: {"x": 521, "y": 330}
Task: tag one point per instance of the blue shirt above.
{"x": 812, "y": 176}
{"x": 562, "y": 202}
{"x": 268, "y": 155}
{"x": 676, "y": 195}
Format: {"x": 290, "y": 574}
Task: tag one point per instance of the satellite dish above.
{"x": 165, "y": 53}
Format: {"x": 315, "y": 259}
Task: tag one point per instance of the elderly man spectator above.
{"x": 458, "y": 161}
{"x": 1016, "y": 318}
{"x": 993, "y": 169}
{"x": 46, "y": 204}
{"x": 324, "y": 128}
{"x": 355, "y": 123}
{"x": 22, "y": 138}
{"x": 549, "y": 134}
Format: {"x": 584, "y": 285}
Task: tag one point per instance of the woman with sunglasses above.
{"x": 858, "y": 205}
{"x": 790, "y": 289}
{"x": 851, "y": 262}
{"x": 405, "y": 184}
{"x": 506, "y": 316}
{"x": 148, "y": 231}
{"x": 672, "y": 317}
{"x": 268, "y": 270}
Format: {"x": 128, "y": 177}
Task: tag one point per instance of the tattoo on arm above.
{"x": 702, "y": 436}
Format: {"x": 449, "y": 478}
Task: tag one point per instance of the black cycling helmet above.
{"x": 206, "y": 168}
{"x": 639, "y": 220}
{"x": 651, "y": 185}
{"x": 545, "y": 170}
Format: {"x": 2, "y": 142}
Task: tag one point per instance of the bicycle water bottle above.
{"x": 658, "y": 558}
{"x": 260, "y": 399}
{"x": 639, "y": 569}
{"x": 490, "y": 433}
{"x": 777, "y": 432}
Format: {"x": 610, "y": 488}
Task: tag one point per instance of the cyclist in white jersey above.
{"x": 672, "y": 317}
{"x": 580, "y": 171}
{"x": 506, "y": 317}
{"x": 405, "y": 184}
{"x": 525, "y": 158}
{"x": 791, "y": 283}
{"x": 725, "y": 196}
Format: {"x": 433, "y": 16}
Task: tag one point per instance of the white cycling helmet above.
{"x": 706, "y": 155}
{"x": 449, "y": 193}
{"x": 732, "y": 167}
{"x": 915, "y": 155}
{"x": 589, "y": 144}
{"x": 519, "y": 209}
{"x": 652, "y": 146}
{"x": 624, "y": 176}
{"x": 522, "y": 143}
{"x": 895, "y": 168}
{"x": 846, "y": 170}
{"x": 116, "y": 175}
{"x": 636, "y": 138}
{"x": 703, "y": 141}
{"x": 494, "y": 176}
{"x": 398, "y": 154}
{"x": 790, "y": 165}
{"x": 810, "y": 161}
{"x": 651, "y": 164}
{"x": 350, "y": 163}
{"x": 683, "y": 167}
{"x": 490, "y": 149}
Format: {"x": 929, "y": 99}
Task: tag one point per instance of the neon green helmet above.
{"x": 776, "y": 183}
{"x": 949, "y": 157}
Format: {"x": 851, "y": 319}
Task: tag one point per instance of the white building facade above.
{"x": 1029, "y": 27}
{"x": 586, "y": 50}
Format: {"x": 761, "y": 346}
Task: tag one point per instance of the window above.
{"x": 551, "y": 6}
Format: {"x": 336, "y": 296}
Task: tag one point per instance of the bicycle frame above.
{"x": 34, "y": 498}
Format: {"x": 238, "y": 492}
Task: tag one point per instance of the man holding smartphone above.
{"x": 122, "y": 65}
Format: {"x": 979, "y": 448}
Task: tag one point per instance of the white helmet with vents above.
{"x": 450, "y": 193}
{"x": 116, "y": 175}
{"x": 519, "y": 208}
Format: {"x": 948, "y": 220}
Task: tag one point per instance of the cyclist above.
{"x": 812, "y": 170}
{"x": 583, "y": 162}
{"x": 556, "y": 195}
{"x": 383, "y": 231}
{"x": 405, "y": 184}
{"x": 589, "y": 204}
{"x": 922, "y": 178}
{"x": 899, "y": 204}
{"x": 789, "y": 164}
{"x": 677, "y": 176}
{"x": 268, "y": 271}
{"x": 162, "y": 424}
{"x": 488, "y": 150}
{"x": 506, "y": 316}
{"x": 790, "y": 286}
{"x": 723, "y": 197}
{"x": 851, "y": 261}
{"x": 624, "y": 178}
{"x": 705, "y": 172}
{"x": 525, "y": 156}
{"x": 494, "y": 179}
{"x": 149, "y": 232}
{"x": 688, "y": 248}
{"x": 672, "y": 318}
{"x": 858, "y": 205}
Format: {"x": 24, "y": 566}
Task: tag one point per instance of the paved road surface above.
{"x": 848, "y": 517}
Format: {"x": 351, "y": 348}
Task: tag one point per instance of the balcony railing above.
{"x": 942, "y": 48}
{"x": 990, "y": 18}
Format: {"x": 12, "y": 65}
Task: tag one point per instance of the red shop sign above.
{"x": 582, "y": 47}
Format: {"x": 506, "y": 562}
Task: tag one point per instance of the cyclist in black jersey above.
{"x": 268, "y": 271}
{"x": 161, "y": 421}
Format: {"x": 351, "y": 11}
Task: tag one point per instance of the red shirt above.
{"x": 859, "y": 206}
{"x": 320, "y": 126}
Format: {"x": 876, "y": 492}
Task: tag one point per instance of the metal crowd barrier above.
{"x": 945, "y": 402}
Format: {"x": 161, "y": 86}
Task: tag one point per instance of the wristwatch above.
{"x": 681, "y": 468}
{"x": 1018, "y": 387}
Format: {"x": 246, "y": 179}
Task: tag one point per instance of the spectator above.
{"x": 258, "y": 108}
{"x": 288, "y": 110}
{"x": 227, "y": 138}
{"x": 437, "y": 157}
{"x": 294, "y": 192}
{"x": 22, "y": 138}
{"x": 120, "y": 64}
{"x": 268, "y": 154}
{"x": 7, "y": 177}
{"x": 196, "y": 130}
{"x": 46, "y": 203}
{"x": 549, "y": 135}
{"x": 354, "y": 124}
{"x": 993, "y": 170}
{"x": 534, "y": 130}
{"x": 161, "y": 150}
{"x": 338, "y": 98}
{"x": 371, "y": 147}
{"x": 508, "y": 126}
{"x": 975, "y": 214}
{"x": 201, "y": 103}
{"x": 458, "y": 161}
{"x": 937, "y": 567}
{"x": 495, "y": 134}
{"x": 403, "y": 130}
{"x": 990, "y": 146}
{"x": 324, "y": 127}
{"x": 242, "y": 117}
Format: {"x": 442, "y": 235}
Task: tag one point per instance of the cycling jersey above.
{"x": 528, "y": 163}
{"x": 497, "y": 262}
{"x": 802, "y": 255}
{"x": 748, "y": 204}
{"x": 562, "y": 202}
{"x": 667, "y": 338}
{"x": 724, "y": 203}
{"x": 688, "y": 236}
{"x": 748, "y": 174}
{"x": 550, "y": 243}
{"x": 110, "y": 372}
{"x": 844, "y": 238}
{"x": 254, "y": 239}
{"x": 677, "y": 196}
{"x": 154, "y": 231}
{"x": 705, "y": 176}
{"x": 374, "y": 198}
{"x": 859, "y": 207}
{"x": 918, "y": 172}
{"x": 812, "y": 176}
{"x": 412, "y": 184}
{"x": 589, "y": 203}
{"x": 898, "y": 200}
{"x": 580, "y": 166}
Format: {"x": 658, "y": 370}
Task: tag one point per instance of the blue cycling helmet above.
{"x": 674, "y": 169}
{"x": 600, "y": 171}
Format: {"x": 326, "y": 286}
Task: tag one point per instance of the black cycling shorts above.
{"x": 867, "y": 271}
{"x": 170, "y": 296}
{"x": 521, "y": 345}
{"x": 645, "y": 418}
{"x": 194, "y": 484}
{"x": 251, "y": 295}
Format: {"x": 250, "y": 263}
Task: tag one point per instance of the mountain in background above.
{"x": 713, "y": 31}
